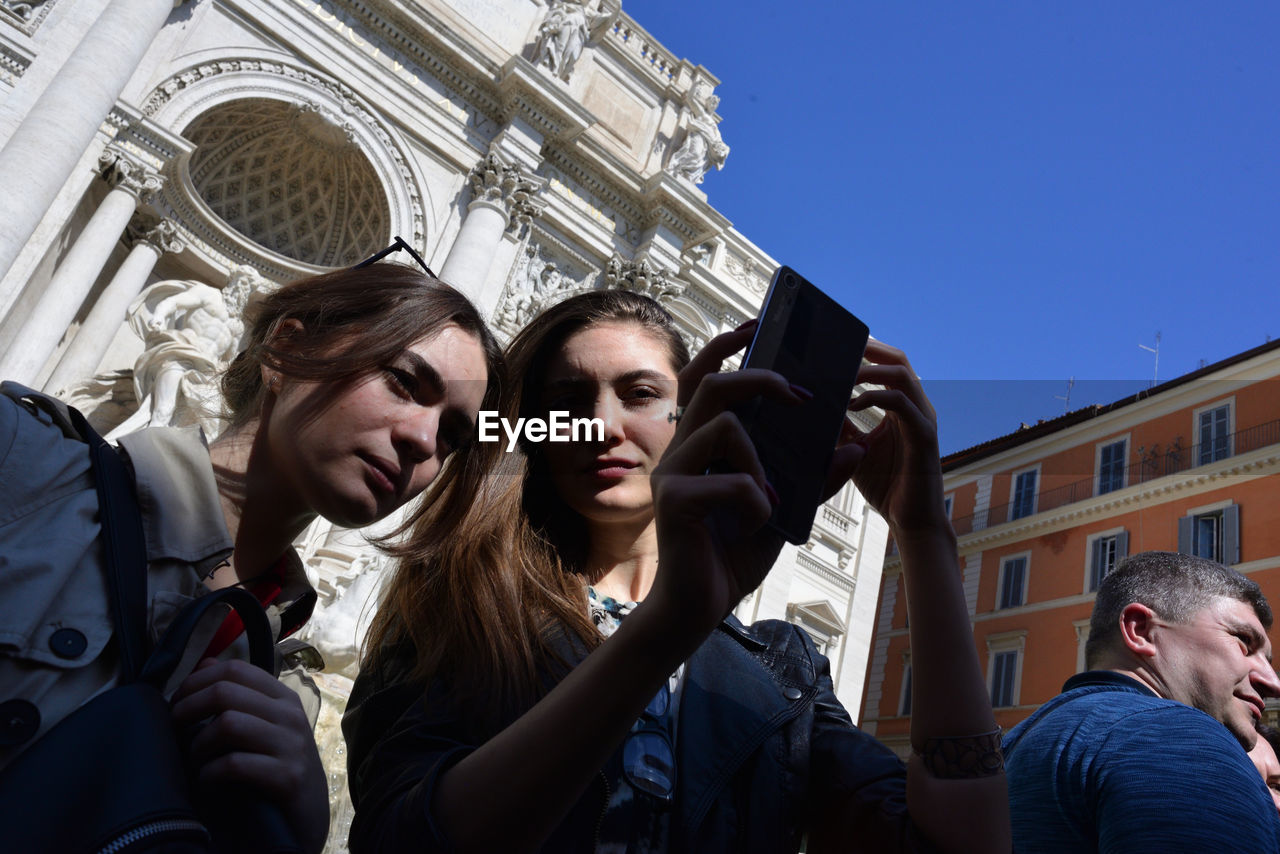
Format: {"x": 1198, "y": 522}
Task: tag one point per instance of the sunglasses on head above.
{"x": 400, "y": 243}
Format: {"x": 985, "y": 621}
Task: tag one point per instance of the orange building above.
{"x": 1044, "y": 513}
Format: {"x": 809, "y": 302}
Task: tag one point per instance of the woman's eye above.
{"x": 403, "y": 382}
{"x": 642, "y": 395}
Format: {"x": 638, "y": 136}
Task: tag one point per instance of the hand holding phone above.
{"x": 817, "y": 345}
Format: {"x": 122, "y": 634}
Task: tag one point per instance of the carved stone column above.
{"x": 74, "y": 278}
{"x": 503, "y": 198}
{"x": 43, "y": 151}
{"x": 151, "y": 238}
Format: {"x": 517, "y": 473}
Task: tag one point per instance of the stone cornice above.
{"x": 836, "y": 577}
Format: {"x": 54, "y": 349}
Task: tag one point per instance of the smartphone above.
{"x": 817, "y": 344}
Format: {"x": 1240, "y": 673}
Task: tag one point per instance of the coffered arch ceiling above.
{"x": 290, "y": 178}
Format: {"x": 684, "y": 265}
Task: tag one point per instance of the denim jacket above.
{"x": 764, "y": 749}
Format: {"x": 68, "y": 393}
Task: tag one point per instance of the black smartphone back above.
{"x": 817, "y": 344}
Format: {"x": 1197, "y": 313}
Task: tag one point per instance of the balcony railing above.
{"x": 1152, "y": 465}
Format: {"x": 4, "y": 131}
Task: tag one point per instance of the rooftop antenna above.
{"x": 1155, "y": 373}
{"x": 1066, "y": 400}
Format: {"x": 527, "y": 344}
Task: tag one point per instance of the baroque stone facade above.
{"x": 529, "y": 149}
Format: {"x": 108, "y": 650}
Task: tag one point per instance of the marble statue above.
{"x": 702, "y": 147}
{"x": 190, "y": 332}
{"x": 565, "y": 32}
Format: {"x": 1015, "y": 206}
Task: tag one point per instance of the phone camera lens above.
{"x": 789, "y": 281}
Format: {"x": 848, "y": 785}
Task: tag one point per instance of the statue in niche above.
{"x": 702, "y": 147}
{"x": 565, "y": 32}
{"x": 191, "y": 331}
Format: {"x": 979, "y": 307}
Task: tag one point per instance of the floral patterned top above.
{"x": 634, "y": 822}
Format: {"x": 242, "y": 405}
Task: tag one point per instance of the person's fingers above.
{"x": 711, "y": 357}
{"x": 237, "y": 731}
{"x": 735, "y": 495}
{"x": 902, "y": 379}
{"x": 210, "y": 671}
{"x": 886, "y": 354}
{"x": 720, "y": 392}
{"x": 898, "y": 402}
{"x": 721, "y": 442}
{"x": 227, "y": 695}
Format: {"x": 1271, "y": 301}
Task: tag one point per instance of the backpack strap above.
{"x": 124, "y": 547}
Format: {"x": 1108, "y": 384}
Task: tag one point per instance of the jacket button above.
{"x": 68, "y": 643}
{"x": 791, "y": 693}
{"x": 19, "y": 721}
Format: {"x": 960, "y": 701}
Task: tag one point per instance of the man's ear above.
{"x": 1137, "y": 627}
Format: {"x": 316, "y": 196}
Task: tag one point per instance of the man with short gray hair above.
{"x": 1146, "y": 749}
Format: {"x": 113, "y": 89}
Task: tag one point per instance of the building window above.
{"x": 904, "y": 707}
{"x": 1023, "y": 502}
{"x": 1013, "y": 582}
{"x": 1111, "y": 466}
{"x": 1004, "y": 679}
{"x": 1104, "y": 553}
{"x": 1212, "y": 533}
{"x": 947, "y": 502}
{"x": 1213, "y": 434}
{"x": 1004, "y": 666}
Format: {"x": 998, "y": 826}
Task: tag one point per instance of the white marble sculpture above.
{"x": 702, "y": 147}
{"x": 565, "y": 32}
{"x": 190, "y": 332}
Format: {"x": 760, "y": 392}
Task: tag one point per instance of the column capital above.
{"x": 642, "y": 276}
{"x": 158, "y": 234}
{"x": 125, "y": 172}
{"x": 507, "y": 188}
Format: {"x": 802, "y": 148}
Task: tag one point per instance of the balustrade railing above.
{"x": 1153, "y": 464}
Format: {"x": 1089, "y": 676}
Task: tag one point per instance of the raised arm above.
{"x": 956, "y": 803}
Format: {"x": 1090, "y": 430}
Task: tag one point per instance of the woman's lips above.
{"x": 610, "y": 469}
{"x": 381, "y": 473}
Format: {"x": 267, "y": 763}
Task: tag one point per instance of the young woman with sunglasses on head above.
{"x": 354, "y": 390}
{"x": 515, "y": 698}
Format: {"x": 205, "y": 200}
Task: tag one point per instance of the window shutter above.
{"x": 1095, "y": 565}
{"x": 1231, "y": 535}
{"x": 1184, "y": 534}
{"x": 1122, "y": 546}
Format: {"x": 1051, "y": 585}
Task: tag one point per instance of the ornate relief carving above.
{"x": 747, "y": 271}
{"x": 162, "y": 234}
{"x": 641, "y": 276}
{"x": 497, "y": 183}
{"x": 123, "y": 172}
{"x": 29, "y": 12}
{"x": 537, "y": 281}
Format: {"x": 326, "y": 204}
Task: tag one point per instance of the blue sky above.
{"x": 1014, "y": 193}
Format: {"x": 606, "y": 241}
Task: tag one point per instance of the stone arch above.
{"x": 213, "y": 86}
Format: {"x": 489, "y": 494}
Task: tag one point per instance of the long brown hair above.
{"x": 491, "y": 574}
{"x": 358, "y": 318}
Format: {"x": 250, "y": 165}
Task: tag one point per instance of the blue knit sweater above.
{"x": 1108, "y": 766}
